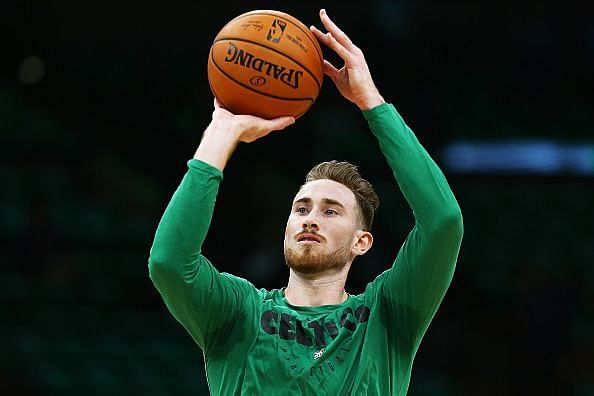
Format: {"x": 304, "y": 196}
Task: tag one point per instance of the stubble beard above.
{"x": 308, "y": 262}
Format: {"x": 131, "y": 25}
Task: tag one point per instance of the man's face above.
{"x": 321, "y": 228}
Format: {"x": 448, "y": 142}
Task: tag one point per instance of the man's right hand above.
{"x": 226, "y": 130}
{"x": 246, "y": 128}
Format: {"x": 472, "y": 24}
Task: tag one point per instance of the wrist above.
{"x": 217, "y": 145}
{"x": 222, "y": 133}
{"x": 371, "y": 101}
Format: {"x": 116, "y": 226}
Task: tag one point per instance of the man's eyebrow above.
{"x": 330, "y": 201}
{"x": 327, "y": 201}
{"x": 304, "y": 200}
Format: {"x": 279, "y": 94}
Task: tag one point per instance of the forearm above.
{"x": 183, "y": 227}
{"x": 420, "y": 179}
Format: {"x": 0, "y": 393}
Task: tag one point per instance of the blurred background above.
{"x": 102, "y": 104}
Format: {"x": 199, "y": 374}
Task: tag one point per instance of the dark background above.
{"x": 102, "y": 104}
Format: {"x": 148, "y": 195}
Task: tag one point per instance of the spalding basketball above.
{"x": 265, "y": 63}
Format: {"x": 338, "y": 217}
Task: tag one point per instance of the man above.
{"x": 312, "y": 337}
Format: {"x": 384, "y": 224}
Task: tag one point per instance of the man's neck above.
{"x": 315, "y": 290}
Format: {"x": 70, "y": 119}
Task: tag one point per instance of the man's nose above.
{"x": 310, "y": 223}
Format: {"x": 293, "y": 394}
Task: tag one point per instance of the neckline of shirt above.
{"x": 316, "y": 309}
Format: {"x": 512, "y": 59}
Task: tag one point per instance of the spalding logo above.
{"x": 257, "y": 80}
{"x": 283, "y": 74}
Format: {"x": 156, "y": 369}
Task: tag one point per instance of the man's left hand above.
{"x": 353, "y": 80}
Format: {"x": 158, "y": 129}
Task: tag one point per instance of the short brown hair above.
{"x": 348, "y": 174}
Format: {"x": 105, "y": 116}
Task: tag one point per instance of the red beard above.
{"x": 308, "y": 262}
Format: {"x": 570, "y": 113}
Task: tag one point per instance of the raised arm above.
{"x": 203, "y": 300}
{"x": 414, "y": 287}
{"x": 421, "y": 274}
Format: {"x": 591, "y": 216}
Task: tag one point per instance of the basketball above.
{"x": 265, "y": 63}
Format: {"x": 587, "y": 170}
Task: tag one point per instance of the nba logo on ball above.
{"x": 276, "y": 31}
{"x": 265, "y": 63}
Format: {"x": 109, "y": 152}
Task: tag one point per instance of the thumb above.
{"x": 330, "y": 70}
{"x": 276, "y": 124}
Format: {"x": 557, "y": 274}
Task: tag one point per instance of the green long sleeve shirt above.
{"x": 255, "y": 343}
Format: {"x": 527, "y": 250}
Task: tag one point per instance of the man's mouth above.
{"x": 309, "y": 238}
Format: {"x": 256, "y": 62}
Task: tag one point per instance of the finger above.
{"x": 330, "y": 26}
{"x": 317, "y": 32}
{"x": 262, "y": 127}
{"x": 276, "y": 124}
{"x": 219, "y": 106}
{"x": 328, "y": 40}
{"x": 333, "y": 44}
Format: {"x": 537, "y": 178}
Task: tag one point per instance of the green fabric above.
{"x": 256, "y": 343}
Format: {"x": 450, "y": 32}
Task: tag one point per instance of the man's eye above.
{"x": 301, "y": 210}
{"x": 331, "y": 212}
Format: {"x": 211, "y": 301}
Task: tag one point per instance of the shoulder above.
{"x": 241, "y": 285}
{"x": 376, "y": 285}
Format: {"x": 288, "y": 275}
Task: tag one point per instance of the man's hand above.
{"x": 353, "y": 80}
{"x": 246, "y": 128}
{"x": 226, "y": 130}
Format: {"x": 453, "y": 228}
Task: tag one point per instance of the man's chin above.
{"x": 306, "y": 262}
{"x": 308, "y": 267}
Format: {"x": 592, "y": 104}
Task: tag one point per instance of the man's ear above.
{"x": 362, "y": 242}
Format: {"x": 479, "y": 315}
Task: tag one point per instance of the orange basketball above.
{"x": 265, "y": 63}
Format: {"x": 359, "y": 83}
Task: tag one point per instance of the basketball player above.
{"x": 312, "y": 337}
